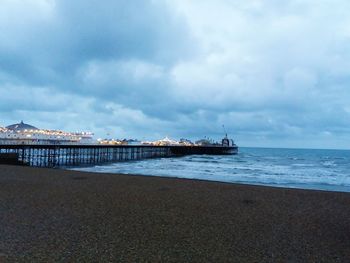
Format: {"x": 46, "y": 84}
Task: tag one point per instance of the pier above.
{"x": 54, "y": 156}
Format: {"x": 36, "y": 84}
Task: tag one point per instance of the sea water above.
{"x": 293, "y": 168}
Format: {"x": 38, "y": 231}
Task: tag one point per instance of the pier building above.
{"x": 23, "y": 133}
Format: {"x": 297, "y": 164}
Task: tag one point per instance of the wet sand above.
{"x": 67, "y": 216}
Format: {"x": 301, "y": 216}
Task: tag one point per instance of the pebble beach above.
{"x": 51, "y": 215}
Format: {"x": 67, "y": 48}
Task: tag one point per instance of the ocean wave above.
{"x": 329, "y": 164}
{"x": 292, "y": 168}
{"x": 303, "y": 165}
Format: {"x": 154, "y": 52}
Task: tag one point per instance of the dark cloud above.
{"x": 76, "y": 32}
{"x": 273, "y": 74}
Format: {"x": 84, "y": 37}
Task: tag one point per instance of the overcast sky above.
{"x": 276, "y": 73}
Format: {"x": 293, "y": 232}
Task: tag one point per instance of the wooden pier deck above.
{"x": 76, "y": 155}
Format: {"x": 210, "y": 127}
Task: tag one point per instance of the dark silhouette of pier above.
{"x": 77, "y": 155}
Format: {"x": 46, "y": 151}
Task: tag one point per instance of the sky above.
{"x": 275, "y": 73}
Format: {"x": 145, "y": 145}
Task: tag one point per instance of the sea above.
{"x": 292, "y": 168}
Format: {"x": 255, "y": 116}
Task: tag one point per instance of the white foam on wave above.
{"x": 329, "y": 164}
{"x": 297, "y": 169}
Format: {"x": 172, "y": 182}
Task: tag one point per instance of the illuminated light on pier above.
{"x": 22, "y": 133}
{"x": 27, "y": 145}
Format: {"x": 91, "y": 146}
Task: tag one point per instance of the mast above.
{"x": 223, "y": 126}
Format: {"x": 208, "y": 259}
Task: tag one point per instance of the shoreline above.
{"x": 68, "y": 215}
{"x": 279, "y": 186}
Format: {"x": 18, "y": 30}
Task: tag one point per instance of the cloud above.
{"x": 277, "y": 74}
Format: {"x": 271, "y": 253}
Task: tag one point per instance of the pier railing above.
{"x": 76, "y": 155}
